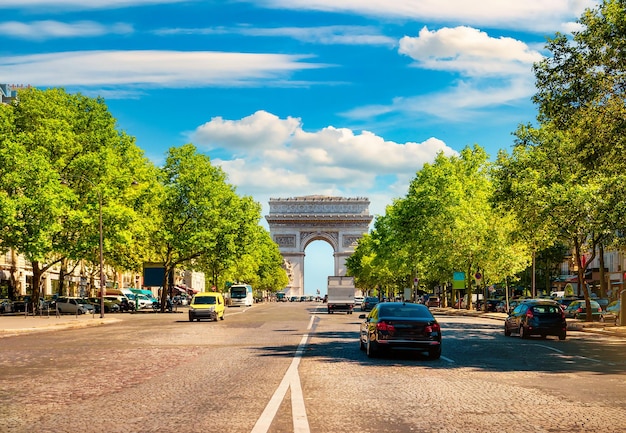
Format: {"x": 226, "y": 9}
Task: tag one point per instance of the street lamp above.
{"x": 101, "y": 258}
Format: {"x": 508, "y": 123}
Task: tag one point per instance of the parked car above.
{"x": 491, "y": 304}
{"x": 501, "y": 307}
{"x": 566, "y": 301}
{"x": 612, "y": 312}
{"x": 143, "y": 300}
{"x": 400, "y": 325}
{"x": 603, "y": 303}
{"x": 74, "y": 305}
{"x": 358, "y": 300}
{"x": 368, "y": 303}
{"x": 180, "y": 300}
{"x": 19, "y": 305}
{"x": 578, "y": 310}
{"x": 433, "y": 302}
{"x": 110, "y": 306}
{"x": 6, "y": 306}
{"x": 536, "y": 317}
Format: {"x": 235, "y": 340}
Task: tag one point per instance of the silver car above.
{"x": 73, "y": 305}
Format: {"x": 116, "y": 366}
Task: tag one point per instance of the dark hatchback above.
{"x": 536, "y": 317}
{"x": 400, "y": 325}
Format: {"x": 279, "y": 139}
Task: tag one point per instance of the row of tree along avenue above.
{"x": 67, "y": 175}
{"x": 562, "y": 188}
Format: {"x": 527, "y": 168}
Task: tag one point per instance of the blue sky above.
{"x": 296, "y": 97}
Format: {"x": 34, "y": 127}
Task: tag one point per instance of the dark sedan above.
{"x": 368, "y": 303}
{"x": 536, "y": 317}
{"x": 400, "y": 325}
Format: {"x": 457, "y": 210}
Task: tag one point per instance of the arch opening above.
{"x": 318, "y": 265}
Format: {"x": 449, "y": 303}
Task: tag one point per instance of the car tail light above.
{"x": 386, "y": 327}
{"x": 433, "y": 328}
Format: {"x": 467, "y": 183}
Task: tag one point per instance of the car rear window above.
{"x": 546, "y": 309}
{"x": 405, "y": 310}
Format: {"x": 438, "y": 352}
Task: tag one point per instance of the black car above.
{"x": 368, "y": 303}
{"x": 536, "y": 317}
{"x": 400, "y": 325}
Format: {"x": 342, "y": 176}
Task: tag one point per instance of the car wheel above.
{"x": 80, "y": 312}
{"x": 507, "y": 331}
{"x": 562, "y": 335}
{"x": 190, "y": 318}
{"x": 371, "y": 348}
{"x": 435, "y": 353}
{"x": 522, "y": 332}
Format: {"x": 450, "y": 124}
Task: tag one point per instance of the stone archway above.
{"x": 297, "y": 221}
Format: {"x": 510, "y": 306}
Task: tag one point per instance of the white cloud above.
{"x": 328, "y": 35}
{"x": 287, "y": 160}
{"x": 324, "y": 35}
{"x": 262, "y": 130}
{"x": 470, "y": 52}
{"x": 170, "y": 69}
{"x": 492, "y": 72}
{"x": 40, "y": 30}
{"x": 536, "y": 15}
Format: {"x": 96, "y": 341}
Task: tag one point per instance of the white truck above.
{"x": 340, "y": 294}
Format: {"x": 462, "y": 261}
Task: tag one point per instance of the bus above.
{"x": 241, "y": 295}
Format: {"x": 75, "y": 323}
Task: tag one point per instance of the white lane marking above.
{"x": 550, "y": 348}
{"x": 291, "y": 379}
{"x": 448, "y": 360}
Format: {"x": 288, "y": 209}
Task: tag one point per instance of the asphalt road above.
{"x": 290, "y": 367}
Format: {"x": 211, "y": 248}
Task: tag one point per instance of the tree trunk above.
{"x": 603, "y": 281}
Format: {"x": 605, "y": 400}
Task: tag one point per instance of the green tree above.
{"x": 582, "y": 115}
{"x": 63, "y": 158}
{"x": 198, "y": 213}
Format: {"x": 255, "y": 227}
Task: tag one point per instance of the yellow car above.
{"x": 206, "y": 305}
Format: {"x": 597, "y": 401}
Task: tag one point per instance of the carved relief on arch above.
{"x": 350, "y": 240}
{"x": 331, "y": 237}
{"x": 285, "y": 241}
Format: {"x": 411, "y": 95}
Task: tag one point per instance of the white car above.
{"x": 144, "y": 301}
{"x": 358, "y": 300}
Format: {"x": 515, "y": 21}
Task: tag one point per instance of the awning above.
{"x": 185, "y": 289}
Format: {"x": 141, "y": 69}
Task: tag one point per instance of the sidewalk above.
{"x": 18, "y": 324}
{"x": 572, "y": 324}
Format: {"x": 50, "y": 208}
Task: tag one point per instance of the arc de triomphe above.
{"x": 297, "y": 221}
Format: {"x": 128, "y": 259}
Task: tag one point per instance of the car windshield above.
{"x": 238, "y": 293}
{"x": 204, "y": 300}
